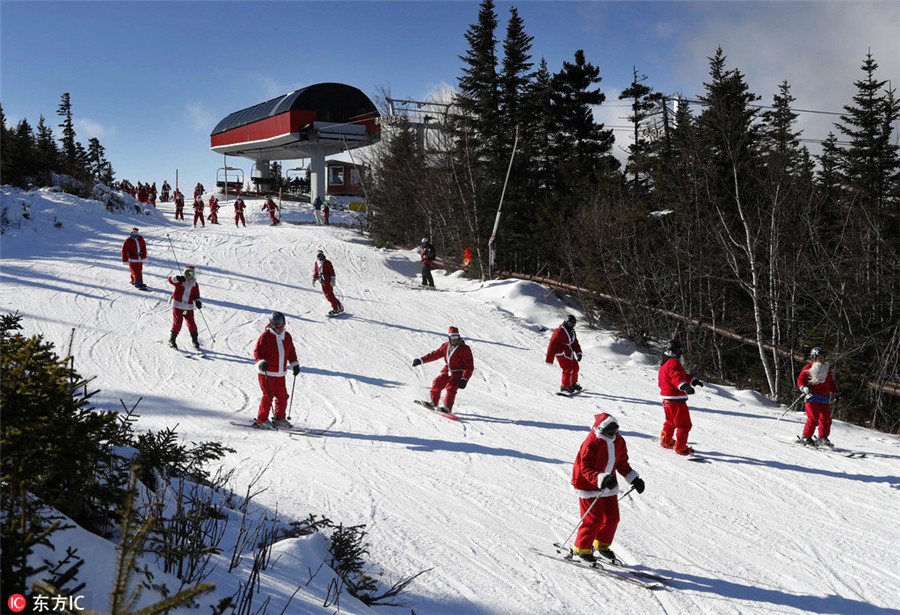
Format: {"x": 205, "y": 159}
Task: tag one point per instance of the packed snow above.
{"x": 763, "y": 526}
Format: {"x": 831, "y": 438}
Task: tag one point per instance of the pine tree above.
{"x": 479, "y": 88}
{"x": 515, "y": 74}
{"x": 643, "y": 104}
{"x": 71, "y": 159}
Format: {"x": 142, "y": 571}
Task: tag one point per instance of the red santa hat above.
{"x": 453, "y": 333}
{"x": 604, "y": 421}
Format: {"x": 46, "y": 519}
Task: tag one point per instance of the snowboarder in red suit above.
{"x": 565, "y": 347}
{"x": 817, "y": 384}
{"x": 213, "y": 210}
{"x": 602, "y": 454}
{"x": 675, "y": 385}
{"x": 198, "y": 212}
{"x": 457, "y": 370}
{"x": 239, "y": 211}
{"x": 323, "y": 272}
{"x": 179, "y": 205}
{"x": 273, "y": 354}
{"x": 185, "y": 297}
{"x": 271, "y": 207}
{"x": 153, "y": 194}
{"x": 134, "y": 252}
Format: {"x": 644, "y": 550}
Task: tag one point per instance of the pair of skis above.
{"x": 293, "y": 430}
{"x": 618, "y": 572}
{"x": 836, "y": 451}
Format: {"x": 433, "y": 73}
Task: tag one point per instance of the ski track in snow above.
{"x": 764, "y": 527}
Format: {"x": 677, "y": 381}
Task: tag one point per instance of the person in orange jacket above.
{"x": 456, "y": 373}
{"x": 565, "y": 348}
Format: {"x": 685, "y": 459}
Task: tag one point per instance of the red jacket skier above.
{"x": 239, "y": 211}
{"x": 179, "y": 205}
{"x": 198, "y": 212}
{"x": 457, "y": 370}
{"x": 602, "y": 454}
{"x": 323, "y": 272}
{"x": 675, "y": 385}
{"x": 185, "y": 297}
{"x": 817, "y": 383}
{"x": 271, "y": 207}
{"x": 213, "y": 210}
{"x": 134, "y": 252}
{"x": 565, "y": 347}
{"x": 273, "y": 354}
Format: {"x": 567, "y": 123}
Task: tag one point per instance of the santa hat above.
{"x": 453, "y": 333}
{"x": 320, "y": 254}
{"x": 603, "y": 421}
{"x": 189, "y": 271}
{"x": 134, "y": 231}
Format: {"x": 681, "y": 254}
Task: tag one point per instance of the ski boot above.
{"x": 665, "y": 441}
{"x": 194, "y": 339}
{"x": 172, "y": 343}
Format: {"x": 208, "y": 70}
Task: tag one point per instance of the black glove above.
{"x": 697, "y": 383}
{"x": 417, "y": 362}
{"x": 263, "y": 366}
{"x": 608, "y": 482}
{"x": 179, "y": 278}
{"x": 462, "y": 383}
{"x": 838, "y": 395}
{"x": 687, "y": 388}
{"x": 296, "y": 369}
{"x": 578, "y": 356}
{"x": 638, "y": 485}
{"x": 199, "y": 304}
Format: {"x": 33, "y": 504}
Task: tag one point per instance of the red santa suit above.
{"x": 179, "y": 206}
{"x": 183, "y": 297}
{"x": 672, "y": 381}
{"x": 198, "y": 212}
{"x": 271, "y": 207}
{"x": 278, "y": 352}
{"x": 817, "y": 376}
{"x": 458, "y": 365}
{"x": 239, "y": 212}
{"x": 213, "y": 210}
{"x": 134, "y": 252}
{"x": 323, "y": 271}
{"x": 565, "y": 347}
{"x": 599, "y": 456}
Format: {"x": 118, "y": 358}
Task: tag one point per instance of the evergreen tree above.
{"x": 70, "y": 153}
{"x": 47, "y": 152}
{"x": 399, "y": 175}
{"x": 643, "y": 104}
{"x": 479, "y": 88}
{"x": 515, "y": 75}
{"x": 581, "y": 148}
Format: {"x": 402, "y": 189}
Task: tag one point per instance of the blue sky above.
{"x": 151, "y": 79}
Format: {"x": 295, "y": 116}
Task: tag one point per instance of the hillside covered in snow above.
{"x": 762, "y": 526}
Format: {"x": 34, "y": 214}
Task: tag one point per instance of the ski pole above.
{"x": 625, "y": 494}
{"x": 173, "y": 252}
{"x": 802, "y": 395}
{"x": 212, "y": 337}
{"x": 291, "y": 403}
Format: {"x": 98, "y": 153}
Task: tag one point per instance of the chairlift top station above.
{"x": 313, "y": 122}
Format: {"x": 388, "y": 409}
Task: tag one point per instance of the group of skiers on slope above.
{"x": 602, "y": 454}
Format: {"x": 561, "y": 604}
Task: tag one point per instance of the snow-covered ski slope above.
{"x": 765, "y": 526}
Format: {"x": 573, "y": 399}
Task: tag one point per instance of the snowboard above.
{"x": 564, "y": 394}
{"x": 446, "y": 415}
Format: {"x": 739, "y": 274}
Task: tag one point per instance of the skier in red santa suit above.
{"x": 271, "y": 207}
{"x": 239, "y": 211}
{"x": 602, "y": 454}
{"x": 675, "y": 384}
{"x": 185, "y": 297}
{"x": 817, "y": 384}
{"x": 213, "y": 210}
{"x": 323, "y": 271}
{"x": 179, "y": 205}
{"x": 457, "y": 370}
{"x": 134, "y": 252}
{"x": 274, "y": 353}
{"x": 565, "y": 347}
{"x": 198, "y": 212}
